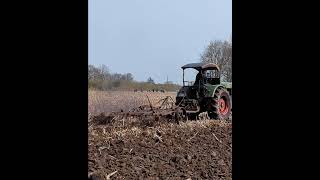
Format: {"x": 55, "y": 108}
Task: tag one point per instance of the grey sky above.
{"x": 154, "y": 38}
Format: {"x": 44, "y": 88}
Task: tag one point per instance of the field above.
{"x": 135, "y": 148}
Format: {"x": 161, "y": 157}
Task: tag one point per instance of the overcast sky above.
{"x": 154, "y": 38}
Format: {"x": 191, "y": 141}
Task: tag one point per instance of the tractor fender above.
{"x": 212, "y": 89}
{"x": 216, "y": 87}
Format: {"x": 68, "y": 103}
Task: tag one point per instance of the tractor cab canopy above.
{"x": 201, "y": 66}
{"x": 208, "y": 72}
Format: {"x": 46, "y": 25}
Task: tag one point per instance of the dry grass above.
{"x": 109, "y": 101}
{"x": 119, "y": 130}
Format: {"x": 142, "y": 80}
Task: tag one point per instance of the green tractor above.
{"x": 206, "y": 94}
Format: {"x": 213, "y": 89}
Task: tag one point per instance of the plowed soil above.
{"x": 192, "y": 149}
{"x": 150, "y": 148}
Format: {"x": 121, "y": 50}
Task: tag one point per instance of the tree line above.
{"x": 100, "y": 78}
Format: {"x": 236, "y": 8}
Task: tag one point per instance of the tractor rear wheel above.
{"x": 221, "y": 105}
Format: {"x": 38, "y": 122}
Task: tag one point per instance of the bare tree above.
{"x": 220, "y": 53}
{"x": 104, "y": 71}
{"x": 94, "y": 73}
{"x": 129, "y": 77}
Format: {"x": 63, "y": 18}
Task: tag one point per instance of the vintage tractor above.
{"x": 206, "y": 94}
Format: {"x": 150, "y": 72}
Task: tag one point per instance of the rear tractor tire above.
{"x": 221, "y": 105}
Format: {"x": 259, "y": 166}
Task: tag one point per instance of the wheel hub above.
{"x": 223, "y": 107}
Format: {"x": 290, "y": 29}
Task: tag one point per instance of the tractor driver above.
{"x": 199, "y": 77}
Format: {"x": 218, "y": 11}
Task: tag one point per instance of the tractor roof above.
{"x": 199, "y": 66}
